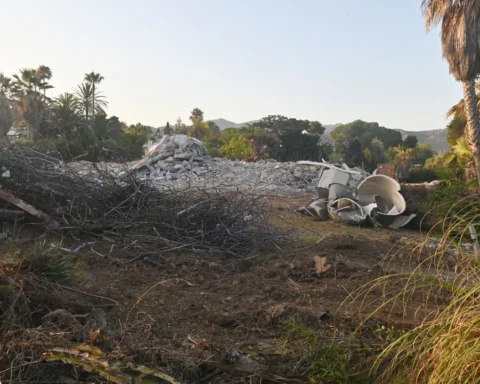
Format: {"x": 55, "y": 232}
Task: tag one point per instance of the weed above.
{"x": 323, "y": 360}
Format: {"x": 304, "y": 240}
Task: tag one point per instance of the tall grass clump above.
{"x": 439, "y": 295}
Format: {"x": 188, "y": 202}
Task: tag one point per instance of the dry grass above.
{"x": 444, "y": 345}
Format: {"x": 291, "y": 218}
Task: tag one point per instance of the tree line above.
{"x": 74, "y": 123}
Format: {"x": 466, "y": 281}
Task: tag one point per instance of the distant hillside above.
{"x": 437, "y": 138}
{"x": 224, "y": 124}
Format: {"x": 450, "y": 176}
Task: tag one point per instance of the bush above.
{"x": 422, "y": 175}
{"x": 443, "y": 202}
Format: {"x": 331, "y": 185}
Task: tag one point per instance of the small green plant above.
{"x": 324, "y": 361}
{"x": 387, "y": 334}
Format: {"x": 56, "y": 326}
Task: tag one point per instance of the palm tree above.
{"x": 44, "y": 73}
{"x": 403, "y": 158}
{"x": 26, "y": 82}
{"x": 84, "y": 95}
{"x": 461, "y": 154}
{"x": 198, "y": 129}
{"x": 32, "y": 108}
{"x": 93, "y": 79}
{"x": 460, "y": 21}
{"x": 66, "y": 116}
{"x": 459, "y": 110}
{"x": 5, "y": 83}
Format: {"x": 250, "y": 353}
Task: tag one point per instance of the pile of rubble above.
{"x": 180, "y": 158}
{"x": 345, "y": 194}
{"x": 353, "y": 196}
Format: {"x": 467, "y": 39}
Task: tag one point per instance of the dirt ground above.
{"x": 209, "y": 318}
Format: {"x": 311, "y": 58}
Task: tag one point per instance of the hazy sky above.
{"x": 327, "y": 60}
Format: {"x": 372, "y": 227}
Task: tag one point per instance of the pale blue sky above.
{"x": 327, "y": 60}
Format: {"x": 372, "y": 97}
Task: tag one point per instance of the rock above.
{"x": 61, "y": 320}
{"x": 6, "y": 174}
{"x": 182, "y": 155}
{"x": 200, "y": 171}
{"x": 170, "y": 159}
{"x": 99, "y": 318}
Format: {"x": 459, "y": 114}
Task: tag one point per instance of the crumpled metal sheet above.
{"x": 353, "y": 196}
{"x": 347, "y": 210}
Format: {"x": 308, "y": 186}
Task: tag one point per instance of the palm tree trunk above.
{"x": 95, "y": 139}
{"x": 31, "y": 132}
{"x": 473, "y": 126}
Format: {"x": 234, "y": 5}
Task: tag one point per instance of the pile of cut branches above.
{"x": 135, "y": 213}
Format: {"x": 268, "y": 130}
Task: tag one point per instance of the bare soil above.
{"x": 188, "y": 314}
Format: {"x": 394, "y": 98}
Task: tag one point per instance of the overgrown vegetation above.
{"x": 443, "y": 347}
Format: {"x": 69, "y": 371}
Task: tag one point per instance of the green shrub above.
{"x": 422, "y": 175}
{"x": 444, "y": 200}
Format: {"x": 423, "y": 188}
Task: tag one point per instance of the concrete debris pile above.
{"x": 172, "y": 154}
{"x": 180, "y": 158}
{"x": 353, "y": 196}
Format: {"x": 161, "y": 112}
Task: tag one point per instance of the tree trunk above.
{"x": 473, "y": 126}
{"x": 95, "y": 139}
{"x": 31, "y": 132}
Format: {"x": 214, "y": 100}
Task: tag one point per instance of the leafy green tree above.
{"x": 105, "y": 128}
{"x": 352, "y": 139}
{"x": 410, "y": 141}
{"x": 455, "y": 130}
{"x": 325, "y": 151}
{"x": 378, "y": 152}
{"x": 213, "y": 128}
{"x": 133, "y": 139}
{"x": 283, "y": 138}
{"x": 239, "y": 147}
{"x": 421, "y": 153}
{"x": 460, "y": 28}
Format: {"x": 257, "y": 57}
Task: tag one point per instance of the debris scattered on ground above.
{"x": 353, "y": 196}
{"x": 321, "y": 265}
